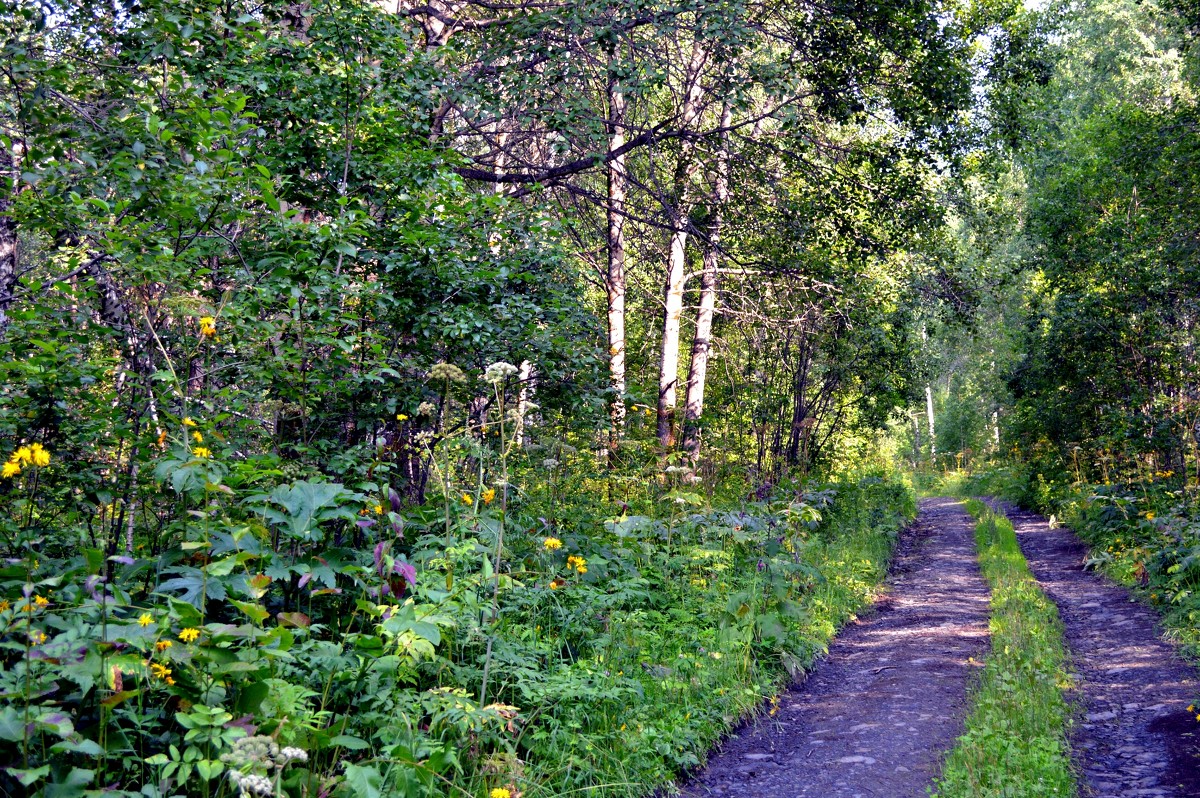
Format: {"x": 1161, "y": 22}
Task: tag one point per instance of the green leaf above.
{"x": 27, "y": 778}
{"x": 254, "y": 612}
{"x": 58, "y": 723}
{"x": 364, "y": 781}
{"x": 80, "y": 746}
{"x": 349, "y": 742}
{"x": 209, "y": 768}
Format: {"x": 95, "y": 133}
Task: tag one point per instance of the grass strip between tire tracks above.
{"x": 1015, "y": 743}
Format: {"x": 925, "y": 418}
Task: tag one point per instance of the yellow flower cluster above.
{"x": 500, "y": 792}
{"x": 488, "y": 495}
{"x": 32, "y": 455}
{"x": 202, "y": 452}
{"x": 578, "y": 563}
{"x": 161, "y": 672}
{"x": 208, "y": 326}
{"x": 145, "y": 619}
{"x": 552, "y": 544}
{"x": 189, "y": 635}
{"x": 163, "y": 645}
{"x": 467, "y": 500}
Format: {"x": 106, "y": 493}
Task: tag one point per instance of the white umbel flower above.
{"x": 499, "y": 372}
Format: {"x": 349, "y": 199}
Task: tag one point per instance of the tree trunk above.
{"x": 668, "y": 368}
{"x": 8, "y": 237}
{"x": 802, "y": 420}
{"x": 527, "y": 379}
{"x": 702, "y": 342}
{"x": 916, "y": 424}
{"x": 668, "y": 364}
{"x": 929, "y": 418}
{"x": 615, "y": 276}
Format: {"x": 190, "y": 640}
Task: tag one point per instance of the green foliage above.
{"x": 617, "y": 652}
{"x": 1015, "y": 743}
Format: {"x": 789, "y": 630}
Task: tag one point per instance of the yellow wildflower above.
{"x": 145, "y": 619}
{"x": 163, "y": 645}
{"x": 202, "y": 452}
{"x": 189, "y": 635}
{"x": 401, "y": 417}
{"x": 187, "y": 422}
{"x": 208, "y": 326}
{"x": 37, "y": 638}
{"x": 489, "y": 495}
{"x": 552, "y": 544}
{"x": 379, "y": 509}
{"x": 4, "y": 605}
{"x": 10, "y": 469}
{"x": 578, "y": 563}
{"x": 41, "y": 601}
{"x": 22, "y": 456}
{"x": 39, "y": 455}
{"x": 467, "y": 500}
{"x": 162, "y": 438}
{"x": 197, "y": 437}
{"x": 160, "y": 671}
{"x": 500, "y": 792}
{"x": 1150, "y": 515}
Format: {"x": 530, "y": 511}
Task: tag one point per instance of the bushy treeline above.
{"x": 1075, "y": 237}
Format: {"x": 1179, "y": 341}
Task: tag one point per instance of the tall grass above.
{"x": 1015, "y": 744}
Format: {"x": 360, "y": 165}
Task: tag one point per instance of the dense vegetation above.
{"x": 502, "y": 399}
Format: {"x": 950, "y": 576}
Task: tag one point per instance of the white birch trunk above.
{"x": 615, "y": 275}
{"x": 702, "y": 342}
{"x": 668, "y": 364}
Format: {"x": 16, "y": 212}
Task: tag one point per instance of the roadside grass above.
{"x": 1015, "y": 744}
{"x": 687, "y": 674}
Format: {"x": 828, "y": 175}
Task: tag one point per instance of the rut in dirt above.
{"x": 878, "y": 713}
{"x": 1134, "y": 738}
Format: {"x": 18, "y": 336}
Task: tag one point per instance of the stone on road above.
{"x": 879, "y": 712}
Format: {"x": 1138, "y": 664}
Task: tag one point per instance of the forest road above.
{"x": 1135, "y": 737}
{"x": 878, "y": 713}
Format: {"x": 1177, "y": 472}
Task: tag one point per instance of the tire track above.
{"x": 876, "y": 715}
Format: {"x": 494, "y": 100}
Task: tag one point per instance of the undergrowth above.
{"x": 309, "y": 639}
{"x": 1015, "y": 743}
